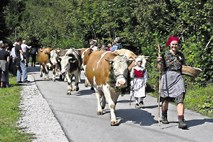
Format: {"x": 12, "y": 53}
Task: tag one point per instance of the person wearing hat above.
{"x": 139, "y": 75}
{"x": 116, "y": 44}
{"x": 25, "y": 48}
{"x": 93, "y": 45}
{"x": 172, "y": 86}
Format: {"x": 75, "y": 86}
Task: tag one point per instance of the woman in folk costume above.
{"x": 138, "y": 84}
{"x": 172, "y": 86}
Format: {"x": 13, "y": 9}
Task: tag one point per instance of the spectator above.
{"x": 25, "y": 48}
{"x": 93, "y": 45}
{"x": 4, "y": 61}
{"x": 117, "y": 45}
{"x": 138, "y": 84}
{"x": 109, "y": 46}
{"x": 13, "y": 61}
{"x": 21, "y": 67}
{"x": 33, "y": 51}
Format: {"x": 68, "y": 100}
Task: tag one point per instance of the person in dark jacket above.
{"x": 4, "y": 61}
{"x": 21, "y": 67}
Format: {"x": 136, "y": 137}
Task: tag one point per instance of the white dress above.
{"x": 138, "y": 84}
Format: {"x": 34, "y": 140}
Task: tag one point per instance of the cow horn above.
{"x": 109, "y": 60}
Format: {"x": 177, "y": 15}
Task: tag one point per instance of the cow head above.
{"x": 53, "y": 57}
{"x": 119, "y": 71}
{"x": 65, "y": 62}
{"x": 68, "y": 60}
{"x": 85, "y": 53}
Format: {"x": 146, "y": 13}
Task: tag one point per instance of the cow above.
{"x": 107, "y": 73}
{"x": 55, "y": 62}
{"x": 71, "y": 67}
{"x": 85, "y": 54}
{"x": 43, "y": 59}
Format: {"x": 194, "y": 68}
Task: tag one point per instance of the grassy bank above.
{"x": 200, "y": 99}
{"x": 10, "y": 113}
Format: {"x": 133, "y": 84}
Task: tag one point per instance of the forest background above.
{"x": 142, "y": 25}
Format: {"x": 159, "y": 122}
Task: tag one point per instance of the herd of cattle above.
{"x": 107, "y": 72}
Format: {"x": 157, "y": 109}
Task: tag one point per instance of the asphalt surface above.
{"x": 77, "y": 115}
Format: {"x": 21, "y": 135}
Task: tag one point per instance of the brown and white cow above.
{"x": 85, "y": 54}
{"x": 71, "y": 67}
{"x": 43, "y": 59}
{"x": 107, "y": 72}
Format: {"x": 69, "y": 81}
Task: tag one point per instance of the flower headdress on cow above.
{"x": 170, "y": 39}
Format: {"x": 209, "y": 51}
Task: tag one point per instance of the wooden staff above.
{"x": 159, "y": 55}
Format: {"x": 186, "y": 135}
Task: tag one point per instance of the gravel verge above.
{"x": 36, "y": 116}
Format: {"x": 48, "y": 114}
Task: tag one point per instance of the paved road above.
{"x": 77, "y": 116}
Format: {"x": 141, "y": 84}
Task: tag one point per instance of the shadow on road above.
{"x": 137, "y": 116}
{"x": 33, "y": 69}
{"x": 85, "y": 92}
{"x": 195, "y": 122}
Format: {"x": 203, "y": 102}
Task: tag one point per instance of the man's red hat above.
{"x": 170, "y": 39}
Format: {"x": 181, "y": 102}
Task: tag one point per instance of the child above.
{"x": 138, "y": 84}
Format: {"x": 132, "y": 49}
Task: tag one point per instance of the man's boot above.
{"x": 182, "y": 124}
{"x": 164, "y": 119}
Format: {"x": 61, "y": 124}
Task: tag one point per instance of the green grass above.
{"x": 200, "y": 99}
{"x": 10, "y": 113}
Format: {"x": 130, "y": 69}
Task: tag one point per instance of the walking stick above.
{"x": 159, "y": 49}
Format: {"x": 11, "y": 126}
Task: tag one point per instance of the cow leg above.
{"x": 77, "y": 77}
{"x": 111, "y": 104}
{"x": 103, "y": 101}
{"x": 46, "y": 71}
{"x": 69, "y": 82}
{"x": 86, "y": 84}
{"x": 41, "y": 70}
{"x": 54, "y": 72}
{"x": 100, "y": 110}
{"x": 115, "y": 97}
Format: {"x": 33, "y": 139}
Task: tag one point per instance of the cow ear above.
{"x": 58, "y": 50}
{"x": 59, "y": 59}
{"x": 109, "y": 61}
{"x": 72, "y": 60}
{"x": 129, "y": 61}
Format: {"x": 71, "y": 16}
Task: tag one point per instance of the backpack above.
{"x": 33, "y": 50}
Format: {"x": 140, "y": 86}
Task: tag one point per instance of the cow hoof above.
{"x": 100, "y": 113}
{"x": 69, "y": 93}
{"x": 41, "y": 75}
{"x": 77, "y": 88}
{"x": 114, "y": 123}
